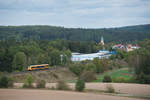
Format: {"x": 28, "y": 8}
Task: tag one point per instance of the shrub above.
{"x": 62, "y": 85}
{"x": 143, "y": 79}
{"x": 80, "y": 85}
{"x": 76, "y": 69}
{"x": 107, "y": 78}
{"x": 88, "y": 76}
{"x": 10, "y": 82}
{"x": 97, "y": 63}
{"x": 29, "y": 82}
{"x": 53, "y": 88}
{"x": 119, "y": 80}
{"x": 6, "y": 82}
{"x": 132, "y": 80}
{"x": 90, "y": 67}
{"x": 41, "y": 84}
{"x": 147, "y": 79}
{"x": 110, "y": 88}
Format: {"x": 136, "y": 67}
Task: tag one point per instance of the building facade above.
{"x": 82, "y": 57}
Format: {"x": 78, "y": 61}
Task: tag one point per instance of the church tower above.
{"x": 102, "y": 41}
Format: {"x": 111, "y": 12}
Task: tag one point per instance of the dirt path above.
{"x": 27, "y": 94}
{"x": 133, "y": 89}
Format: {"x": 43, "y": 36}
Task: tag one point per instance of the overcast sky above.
{"x": 75, "y": 13}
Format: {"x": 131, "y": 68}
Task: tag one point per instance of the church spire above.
{"x": 102, "y": 41}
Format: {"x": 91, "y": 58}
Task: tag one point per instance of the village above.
{"x": 103, "y": 53}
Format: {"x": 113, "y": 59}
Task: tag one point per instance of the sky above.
{"x": 75, "y": 13}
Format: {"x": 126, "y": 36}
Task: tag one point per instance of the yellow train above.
{"x": 38, "y": 67}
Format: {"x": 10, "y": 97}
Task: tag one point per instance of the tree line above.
{"x": 139, "y": 62}
{"x": 37, "y": 32}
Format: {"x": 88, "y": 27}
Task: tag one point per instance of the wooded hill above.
{"x": 44, "y": 32}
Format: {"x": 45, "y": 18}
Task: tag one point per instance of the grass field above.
{"x": 115, "y": 74}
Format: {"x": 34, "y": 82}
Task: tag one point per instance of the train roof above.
{"x": 39, "y": 65}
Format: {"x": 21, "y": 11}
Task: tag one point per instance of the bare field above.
{"x": 133, "y": 89}
{"x": 34, "y": 94}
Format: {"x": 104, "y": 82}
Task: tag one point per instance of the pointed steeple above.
{"x": 102, "y": 41}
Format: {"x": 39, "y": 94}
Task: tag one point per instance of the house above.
{"x": 127, "y": 48}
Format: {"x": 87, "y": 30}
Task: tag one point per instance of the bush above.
{"x": 62, "y": 85}
{"x": 41, "y": 84}
{"x": 80, "y": 85}
{"x": 53, "y": 88}
{"x": 90, "y": 67}
{"x": 107, "y": 78}
{"x": 132, "y": 80}
{"x": 119, "y": 80}
{"x": 3, "y": 82}
{"x": 6, "y": 82}
{"x": 143, "y": 79}
{"x": 29, "y": 82}
{"x": 10, "y": 82}
{"x": 147, "y": 79}
{"x": 110, "y": 88}
{"x": 88, "y": 76}
{"x": 76, "y": 69}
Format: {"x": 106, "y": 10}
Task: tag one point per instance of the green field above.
{"x": 116, "y": 74}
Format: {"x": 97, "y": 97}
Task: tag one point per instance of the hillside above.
{"x": 49, "y": 76}
{"x": 38, "y": 32}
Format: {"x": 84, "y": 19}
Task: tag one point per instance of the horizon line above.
{"x": 76, "y": 27}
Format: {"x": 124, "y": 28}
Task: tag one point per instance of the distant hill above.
{"x": 44, "y": 32}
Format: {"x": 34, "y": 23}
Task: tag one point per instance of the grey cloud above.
{"x": 75, "y": 13}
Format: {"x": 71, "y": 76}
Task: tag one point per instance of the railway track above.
{"x": 36, "y": 71}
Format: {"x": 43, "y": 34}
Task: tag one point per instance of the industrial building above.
{"x": 100, "y": 55}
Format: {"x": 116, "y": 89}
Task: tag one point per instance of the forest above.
{"x": 21, "y": 46}
{"x": 17, "y": 55}
{"x": 43, "y": 32}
